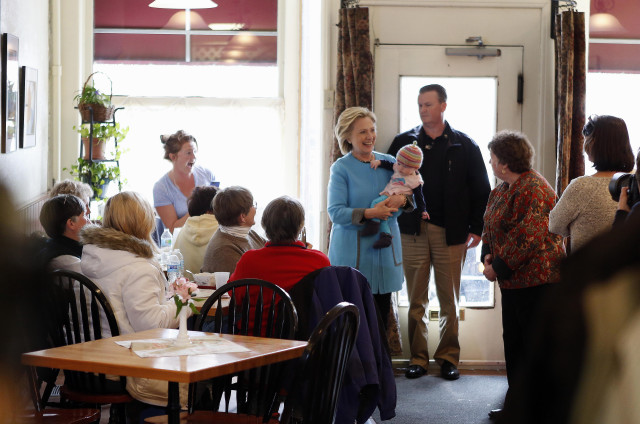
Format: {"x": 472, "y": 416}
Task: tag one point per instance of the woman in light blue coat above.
{"x": 353, "y": 184}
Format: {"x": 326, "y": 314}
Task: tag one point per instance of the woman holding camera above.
{"x": 629, "y": 198}
{"x": 586, "y": 208}
{"x": 517, "y": 248}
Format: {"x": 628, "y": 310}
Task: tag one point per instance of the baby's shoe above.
{"x": 370, "y": 228}
{"x": 383, "y": 241}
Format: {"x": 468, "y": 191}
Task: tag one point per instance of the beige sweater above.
{"x": 224, "y": 251}
{"x": 584, "y": 210}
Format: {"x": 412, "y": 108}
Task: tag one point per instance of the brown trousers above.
{"x": 419, "y": 254}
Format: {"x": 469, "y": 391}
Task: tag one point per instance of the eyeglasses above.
{"x": 589, "y": 127}
{"x": 255, "y": 205}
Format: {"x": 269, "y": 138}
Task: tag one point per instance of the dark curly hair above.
{"x": 200, "y": 201}
{"x": 513, "y": 149}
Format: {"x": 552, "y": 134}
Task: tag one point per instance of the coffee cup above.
{"x": 221, "y": 278}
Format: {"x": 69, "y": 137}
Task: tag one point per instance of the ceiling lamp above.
{"x": 605, "y": 22}
{"x": 179, "y": 19}
{"x": 602, "y": 20}
{"x": 226, "y": 27}
{"x": 183, "y": 4}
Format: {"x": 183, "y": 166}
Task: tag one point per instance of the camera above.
{"x": 620, "y": 180}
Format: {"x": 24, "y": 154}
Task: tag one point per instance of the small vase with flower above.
{"x": 182, "y": 292}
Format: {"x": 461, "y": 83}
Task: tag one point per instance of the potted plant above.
{"x": 101, "y": 133}
{"x": 97, "y": 174}
{"x": 90, "y": 98}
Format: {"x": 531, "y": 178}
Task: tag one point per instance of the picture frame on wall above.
{"x": 28, "y": 106}
{"x": 10, "y": 94}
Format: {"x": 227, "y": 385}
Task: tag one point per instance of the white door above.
{"x": 483, "y": 97}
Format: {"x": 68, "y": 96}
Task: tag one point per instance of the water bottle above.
{"x": 173, "y": 266}
{"x": 165, "y": 240}
{"x": 181, "y": 260}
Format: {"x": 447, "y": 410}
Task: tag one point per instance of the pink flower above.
{"x": 181, "y": 291}
{"x": 184, "y": 289}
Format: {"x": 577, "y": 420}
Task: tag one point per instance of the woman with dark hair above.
{"x": 284, "y": 260}
{"x": 625, "y": 211}
{"x": 517, "y": 248}
{"x": 235, "y": 211}
{"x": 171, "y": 192}
{"x": 194, "y": 236}
{"x": 586, "y": 208}
{"x": 63, "y": 217}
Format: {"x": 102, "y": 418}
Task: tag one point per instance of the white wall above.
{"x": 24, "y": 171}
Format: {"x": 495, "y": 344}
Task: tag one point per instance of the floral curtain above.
{"x": 354, "y": 82}
{"x": 570, "y": 96}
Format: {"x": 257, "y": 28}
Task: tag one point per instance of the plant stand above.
{"x": 92, "y": 152}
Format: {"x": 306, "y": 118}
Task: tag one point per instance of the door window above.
{"x": 471, "y": 108}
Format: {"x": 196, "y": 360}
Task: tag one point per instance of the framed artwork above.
{"x": 28, "y": 102}
{"x": 10, "y": 94}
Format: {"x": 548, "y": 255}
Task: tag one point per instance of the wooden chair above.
{"x": 79, "y": 311}
{"x": 320, "y": 371}
{"x": 256, "y": 390}
{"x": 53, "y": 416}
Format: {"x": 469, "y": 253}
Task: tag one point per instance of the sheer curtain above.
{"x": 239, "y": 140}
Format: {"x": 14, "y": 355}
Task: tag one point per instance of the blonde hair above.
{"x": 81, "y": 190}
{"x": 344, "y": 126}
{"x": 130, "y": 213}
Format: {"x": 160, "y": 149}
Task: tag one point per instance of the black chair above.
{"x": 273, "y": 314}
{"x": 320, "y": 371}
{"x": 53, "y": 416}
{"x": 79, "y": 311}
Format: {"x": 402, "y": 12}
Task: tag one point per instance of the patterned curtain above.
{"x": 354, "y": 82}
{"x": 570, "y": 96}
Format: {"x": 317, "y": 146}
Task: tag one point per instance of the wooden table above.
{"x": 212, "y": 310}
{"x": 105, "y": 356}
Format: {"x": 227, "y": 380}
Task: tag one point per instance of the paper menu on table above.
{"x": 203, "y": 345}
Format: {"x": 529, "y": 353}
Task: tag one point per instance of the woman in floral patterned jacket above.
{"x": 517, "y": 248}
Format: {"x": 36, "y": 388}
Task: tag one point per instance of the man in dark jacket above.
{"x": 456, "y": 186}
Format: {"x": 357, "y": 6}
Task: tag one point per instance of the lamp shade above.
{"x": 183, "y": 4}
{"x": 605, "y": 22}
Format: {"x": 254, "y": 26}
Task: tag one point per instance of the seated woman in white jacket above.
{"x": 119, "y": 258}
{"x": 193, "y": 238}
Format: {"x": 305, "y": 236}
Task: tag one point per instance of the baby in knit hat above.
{"x": 405, "y": 180}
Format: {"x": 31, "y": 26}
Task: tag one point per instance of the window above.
{"x": 476, "y": 116}
{"x": 226, "y": 51}
{"x": 613, "y": 79}
{"x": 169, "y": 74}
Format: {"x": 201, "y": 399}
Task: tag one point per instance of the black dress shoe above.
{"x": 448, "y": 371}
{"x": 415, "y": 371}
{"x": 495, "y": 414}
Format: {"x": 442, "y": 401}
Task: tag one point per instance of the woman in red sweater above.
{"x": 283, "y": 260}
